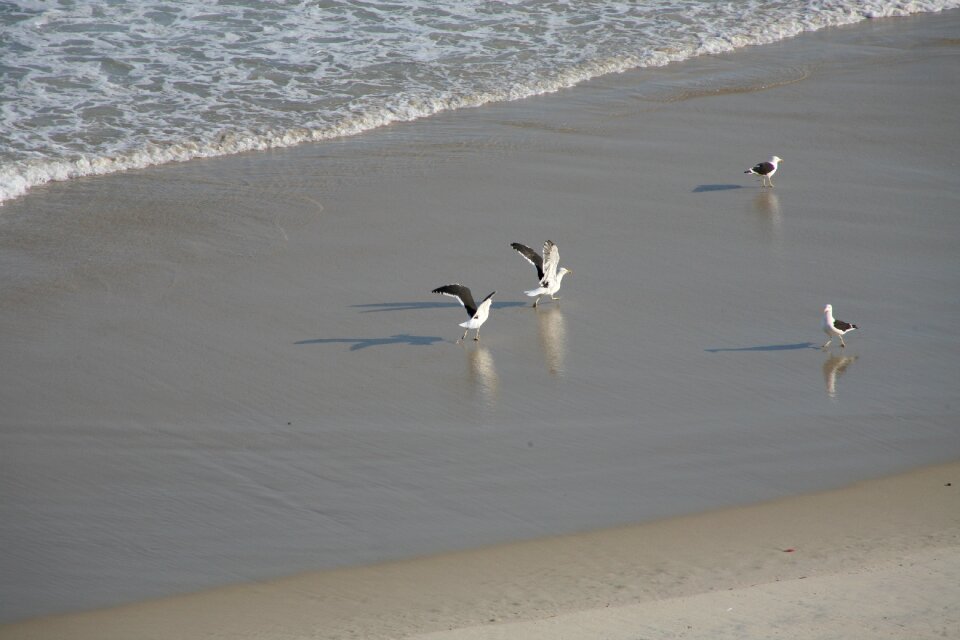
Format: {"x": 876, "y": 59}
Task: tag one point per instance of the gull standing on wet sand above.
{"x": 833, "y": 327}
{"x": 478, "y": 313}
{"x": 766, "y": 170}
{"x": 550, "y": 276}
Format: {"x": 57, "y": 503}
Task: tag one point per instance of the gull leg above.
{"x": 770, "y": 180}
{"x": 537, "y": 301}
{"x": 827, "y": 343}
{"x": 554, "y": 297}
{"x": 842, "y": 343}
{"x": 463, "y": 337}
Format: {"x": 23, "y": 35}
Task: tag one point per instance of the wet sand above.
{"x": 233, "y": 370}
{"x": 879, "y": 559}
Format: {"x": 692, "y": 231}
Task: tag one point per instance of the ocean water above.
{"x": 98, "y": 87}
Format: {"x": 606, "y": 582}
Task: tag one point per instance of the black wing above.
{"x": 763, "y": 168}
{"x": 532, "y": 257}
{"x": 843, "y": 326}
{"x": 462, "y": 294}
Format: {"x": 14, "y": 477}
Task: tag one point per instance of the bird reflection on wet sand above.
{"x": 767, "y": 206}
{"x": 833, "y": 368}
{"x": 483, "y": 375}
{"x": 553, "y": 338}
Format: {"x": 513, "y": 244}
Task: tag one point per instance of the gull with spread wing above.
{"x": 478, "y": 312}
{"x": 548, "y": 269}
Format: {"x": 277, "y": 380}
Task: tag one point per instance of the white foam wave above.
{"x": 338, "y": 89}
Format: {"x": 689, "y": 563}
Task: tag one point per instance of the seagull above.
{"x": 478, "y": 313}
{"x": 550, "y": 276}
{"x": 766, "y": 170}
{"x": 833, "y": 327}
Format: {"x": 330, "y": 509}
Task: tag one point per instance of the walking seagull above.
{"x": 550, "y": 276}
{"x": 766, "y": 170}
{"x": 478, "y": 313}
{"x": 833, "y": 327}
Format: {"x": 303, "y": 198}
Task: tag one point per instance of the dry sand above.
{"x": 230, "y": 371}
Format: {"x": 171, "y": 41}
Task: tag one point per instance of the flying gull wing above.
{"x": 531, "y": 256}
{"x": 462, "y": 294}
{"x": 551, "y": 260}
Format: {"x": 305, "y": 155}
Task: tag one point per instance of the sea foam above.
{"x": 96, "y": 89}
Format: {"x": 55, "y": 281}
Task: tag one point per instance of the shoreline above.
{"x": 233, "y": 370}
{"x": 23, "y": 175}
{"x": 801, "y": 565}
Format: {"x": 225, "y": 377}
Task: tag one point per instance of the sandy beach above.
{"x": 879, "y": 559}
{"x": 222, "y": 373}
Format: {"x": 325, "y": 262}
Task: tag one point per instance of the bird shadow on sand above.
{"x": 700, "y": 188}
{"x": 377, "y": 307}
{"x": 363, "y": 343}
{"x": 770, "y": 347}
